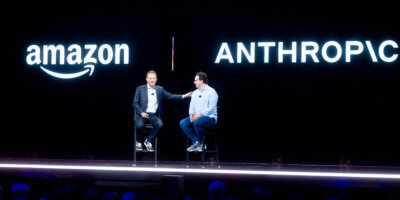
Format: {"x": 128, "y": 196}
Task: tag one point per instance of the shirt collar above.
{"x": 205, "y": 88}
{"x": 148, "y": 87}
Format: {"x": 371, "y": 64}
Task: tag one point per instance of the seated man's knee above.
{"x": 197, "y": 123}
{"x": 159, "y": 124}
{"x": 182, "y": 123}
{"x": 139, "y": 125}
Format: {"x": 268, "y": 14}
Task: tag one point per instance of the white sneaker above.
{"x": 199, "y": 148}
{"x": 148, "y": 146}
{"x": 139, "y": 146}
{"x": 193, "y": 146}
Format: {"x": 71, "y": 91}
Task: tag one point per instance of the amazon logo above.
{"x": 81, "y": 60}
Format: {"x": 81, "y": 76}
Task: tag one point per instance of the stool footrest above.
{"x": 145, "y": 151}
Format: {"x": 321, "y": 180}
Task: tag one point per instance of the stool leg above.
{"x": 155, "y": 153}
{"x": 187, "y": 152}
{"x": 216, "y": 149}
{"x": 203, "y": 153}
{"x": 134, "y": 146}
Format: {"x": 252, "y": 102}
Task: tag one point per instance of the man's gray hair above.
{"x": 151, "y": 72}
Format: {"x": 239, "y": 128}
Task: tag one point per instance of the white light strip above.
{"x": 393, "y": 176}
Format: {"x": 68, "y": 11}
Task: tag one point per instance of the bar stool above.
{"x": 210, "y": 130}
{"x": 148, "y": 127}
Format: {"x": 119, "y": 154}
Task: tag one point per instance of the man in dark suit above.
{"x": 148, "y": 105}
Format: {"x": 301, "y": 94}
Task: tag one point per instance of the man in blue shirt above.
{"x": 202, "y": 111}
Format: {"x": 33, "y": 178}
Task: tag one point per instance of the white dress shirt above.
{"x": 152, "y": 103}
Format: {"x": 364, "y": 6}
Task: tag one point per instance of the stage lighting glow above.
{"x": 392, "y": 176}
{"x": 37, "y": 55}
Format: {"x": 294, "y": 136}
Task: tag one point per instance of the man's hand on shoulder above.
{"x": 187, "y": 95}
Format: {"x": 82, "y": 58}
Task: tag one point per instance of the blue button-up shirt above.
{"x": 204, "y": 102}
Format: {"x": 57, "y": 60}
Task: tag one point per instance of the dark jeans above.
{"x": 197, "y": 125}
{"x": 141, "y": 123}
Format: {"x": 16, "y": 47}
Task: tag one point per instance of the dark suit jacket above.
{"x": 141, "y": 97}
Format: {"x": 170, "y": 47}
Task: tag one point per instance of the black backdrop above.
{"x": 305, "y": 113}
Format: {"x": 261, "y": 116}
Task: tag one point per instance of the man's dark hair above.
{"x": 151, "y": 72}
{"x": 202, "y": 76}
